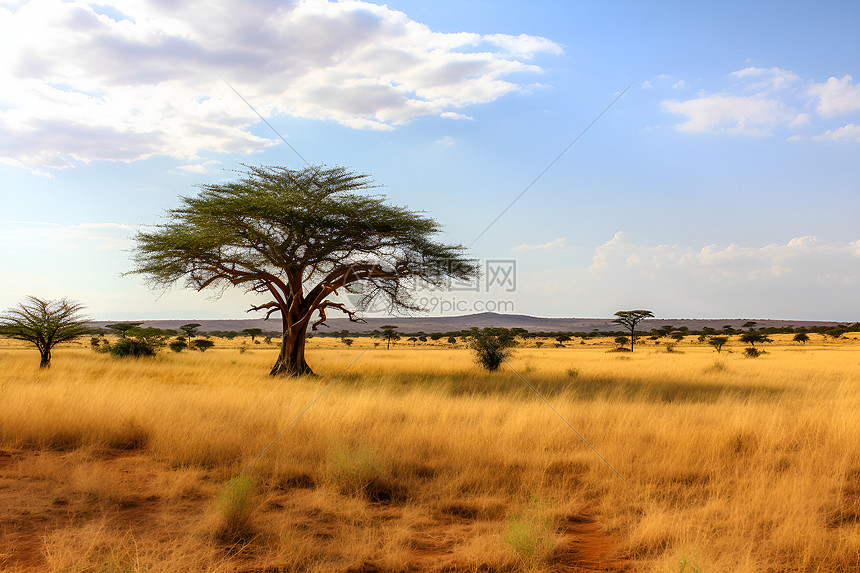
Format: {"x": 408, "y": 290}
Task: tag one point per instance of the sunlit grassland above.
{"x": 735, "y": 464}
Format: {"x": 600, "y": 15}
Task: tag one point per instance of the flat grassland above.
{"x": 417, "y": 460}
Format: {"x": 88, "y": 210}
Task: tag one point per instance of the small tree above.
{"x": 752, "y": 338}
{"x": 177, "y": 345}
{"x": 492, "y": 346}
{"x": 190, "y": 330}
{"x": 44, "y": 323}
{"x": 347, "y": 341}
{"x": 801, "y": 337}
{"x": 413, "y": 340}
{"x": 389, "y": 334}
{"x": 562, "y": 338}
{"x": 452, "y": 340}
{"x": 123, "y": 327}
{"x": 717, "y": 342}
{"x": 253, "y": 333}
{"x": 629, "y": 319}
{"x": 202, "y": 344}
{"x": 621, "y": 341}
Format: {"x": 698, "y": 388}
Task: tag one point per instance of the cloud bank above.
{"x": 805, "y": 278}
{"x": 128, "y": 80}
{"x": 764, "y": 101}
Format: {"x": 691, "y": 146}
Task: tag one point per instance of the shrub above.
{"x": 753, "y": 352}
{"x": 492, "y": 346}
{"x": 353, "y": 470}
{"x": 132, "y": 347}
{"x": 529, "y": 533}
{"x": 235, "y": 506}
{"x": 202, "y": 344}
{"x": 177, "y": 345}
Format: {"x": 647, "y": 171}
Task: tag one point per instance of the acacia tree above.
{"x": 44, "y": 323}
{"x": 629, "y": 319}
{"x": 299, "y": 236}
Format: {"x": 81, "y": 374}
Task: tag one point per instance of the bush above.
{"x": 132, "y": 347}
{"x": 235, "y": 506}
{"x": 353, "y": 470}
{"x": 529, "y": 533}
{"x": 177, "y": 345}
{"x": 753, "y": 352}
{"x": 492, "y": 346}
{"x": 202, "y": 344}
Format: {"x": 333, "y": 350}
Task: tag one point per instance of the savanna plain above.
{"x": 416, "y": 459}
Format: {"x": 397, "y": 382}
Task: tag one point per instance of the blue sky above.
{"x": 724, "y": 183}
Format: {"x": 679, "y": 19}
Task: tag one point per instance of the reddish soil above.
{"x": 42, "y": 492}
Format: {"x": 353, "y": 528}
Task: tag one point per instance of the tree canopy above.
{"x": 300, "y": 236}
{"x": 629, "y": 319}
{"x": 45, "y": 323}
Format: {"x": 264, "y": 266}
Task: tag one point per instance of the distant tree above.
{"x": 752, "y": 338}
{"x": 123, "y": 327}
{"x": 666, "y": 330}
{"x": 491, "y": 346}
{"x": 422, "y": 339}
{"x": 347, "y": 341}
{"x": 539, "y": 343}
{"x": 300, "y": 236}
{"x": 679, "y": 336}
{"x": 151, "y": 335}
{"x": 132, "y": 347}
{"x": 253, "y": 333}
{"x": 190, "y": 330}
{"x": 139, "y": 342}
{"x": 452, "y": 340}
{"x": 801, "y": 337}
{"x": 231, "y": 334}
{"x": 749, "y": 325}
{"x": 562, "y": 338}
{"x": 621, "y": 340}
{"x": 389, "y": 334}
{"x": 177, "y": 345}
{"x": 44, "y": 323}
{"x": 629, "y": 319}
{"x": 202, "y": 344}
{"x": 436, "y": 336}
{"x": 413, "y": 340}
{"x": 718, "y": 342}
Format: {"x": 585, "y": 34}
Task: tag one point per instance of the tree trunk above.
{"x": 46, "y": 358}
{"x": 291, "y": 361}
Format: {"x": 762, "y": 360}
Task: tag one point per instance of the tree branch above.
{"x": 338, "y": 305}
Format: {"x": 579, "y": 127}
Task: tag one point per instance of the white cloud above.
{"x": 198, "y": 167}
{"x": 769, "y": 79}
{"x": 454, "y": 115}
{"x": 554, "y": 245}
{"x": 836, "y": 97}
{"x": 446, "y": 140}
{"x": 131, "y": 80}
{"x": 735, "y": 115}
{"x": 805, "y": 277}
{"x": 762, "y": 101}
{"x": 679, "y": 85}
{"x": 848, "y": 132}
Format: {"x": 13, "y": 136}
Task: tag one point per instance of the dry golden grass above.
{"x": 417, "y": 460}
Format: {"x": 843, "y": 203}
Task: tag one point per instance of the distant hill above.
{"x": 455, "y": 323}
